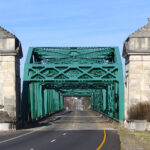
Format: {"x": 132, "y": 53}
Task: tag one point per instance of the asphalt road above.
{"x": 77, "y": 130}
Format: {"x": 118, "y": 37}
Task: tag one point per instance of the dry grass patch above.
{"x": 140, "y": 111}
{"x": 134, "y": 140}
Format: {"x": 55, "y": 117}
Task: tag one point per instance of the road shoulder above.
{"x": 134, "y": 140}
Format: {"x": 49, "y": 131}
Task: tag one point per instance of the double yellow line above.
{"x": 104, "y": 138}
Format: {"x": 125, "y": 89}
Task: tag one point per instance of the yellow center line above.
{"x": 104, "y": 138}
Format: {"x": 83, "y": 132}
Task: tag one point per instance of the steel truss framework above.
{"x": 50, "y": 73}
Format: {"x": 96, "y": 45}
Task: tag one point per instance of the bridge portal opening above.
{"x": 77, "y": 103}
{"x": 52, "y": 73}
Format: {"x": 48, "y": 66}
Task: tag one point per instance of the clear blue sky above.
{"x": 72, "y": 22}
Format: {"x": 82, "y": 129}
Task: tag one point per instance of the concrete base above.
{"x": 148, "y": 126}
{"x": 6, "y": 126}
{"x": 137, "y": 125}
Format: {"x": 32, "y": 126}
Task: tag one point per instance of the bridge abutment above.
{"x": 137, "y": 67}
{"x": 10, "y": 98}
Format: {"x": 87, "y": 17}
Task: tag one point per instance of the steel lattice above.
{"x": 54, "y": 72}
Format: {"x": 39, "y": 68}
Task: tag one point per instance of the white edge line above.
{"x": 16, "y": 137}
{"x": 4, "y": 141}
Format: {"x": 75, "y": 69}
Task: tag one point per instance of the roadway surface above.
{"x": 74, "y": 130}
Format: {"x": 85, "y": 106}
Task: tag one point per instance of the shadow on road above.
{"x": 45, "y": 121}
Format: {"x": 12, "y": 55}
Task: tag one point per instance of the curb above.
{"x": 108, "y": 116}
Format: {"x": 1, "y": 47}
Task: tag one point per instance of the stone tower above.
{"x": 10, "y": 54}
{"x": 137, "y": 67}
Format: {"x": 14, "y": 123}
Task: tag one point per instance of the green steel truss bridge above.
{"x": 51, "y": 73}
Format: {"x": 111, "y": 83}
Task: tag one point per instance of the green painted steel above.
{"x": 50, "y": 73}
{"x": 41, "y": 101}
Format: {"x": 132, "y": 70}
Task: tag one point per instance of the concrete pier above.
{"x": 137, "y": 67}
{"x": 10, "y": 92}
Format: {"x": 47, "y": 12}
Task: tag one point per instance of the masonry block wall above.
{"x": 10, "y": 54}
{"x": 137, "y": 67}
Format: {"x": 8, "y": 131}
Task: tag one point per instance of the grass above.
{"x": 134, "y": 140}
{"x": 140, "y": 111}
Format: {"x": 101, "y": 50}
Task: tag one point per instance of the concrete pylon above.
{"x": 10, "y": 55}
{"x": 136, "y": 52}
